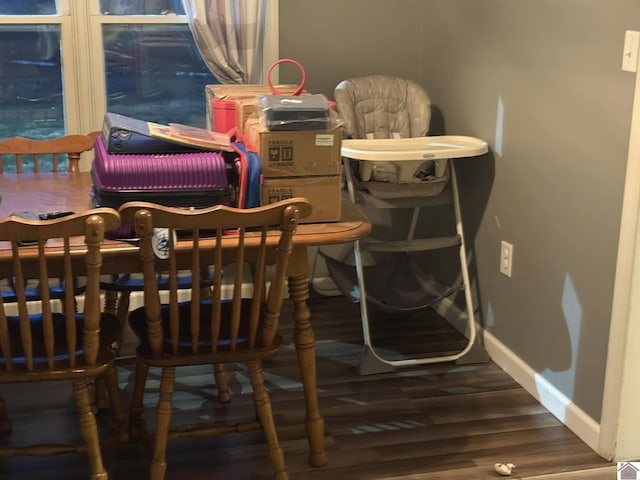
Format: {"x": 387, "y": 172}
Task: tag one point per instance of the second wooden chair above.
{"x": 210, "y": 330}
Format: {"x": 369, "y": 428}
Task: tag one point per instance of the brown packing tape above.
{"x": 233, "y": 92}
{"x": 245, "y": 109}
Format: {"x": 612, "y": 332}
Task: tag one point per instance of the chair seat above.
{"x": 109, "y": 333}
{"x": 34, "y": 293}
{"x": 135, "y": 283}
{"x": 138, "y": 323}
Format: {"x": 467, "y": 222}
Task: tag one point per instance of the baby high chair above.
{"x": 392, "y": 167}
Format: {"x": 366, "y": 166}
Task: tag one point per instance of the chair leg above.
{"x": 136, "y": 409}
{"x": 100, "y": 391}
{"x": 118, "y": 417}
{"x": 110, "y": 302}
{"x": 265, "y": 415}
{"x": 93, "y": 395}
{"x": 122, "y": 309}
{"x": 220, "y": 376}
{"x": 163, "y": 422}
{"x": 89, "y": 430}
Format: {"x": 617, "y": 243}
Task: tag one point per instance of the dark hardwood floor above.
{"x": 442, "y": 421}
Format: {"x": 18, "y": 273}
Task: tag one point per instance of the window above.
{"x": 30, "y": 69}
{"x": 153, "y": 71}
{"x": 64, "y": 63}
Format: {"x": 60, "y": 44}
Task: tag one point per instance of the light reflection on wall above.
{"x": 547, "y": 380}
{"x": 490, "y": 317}
{"x": 497, "y": 148}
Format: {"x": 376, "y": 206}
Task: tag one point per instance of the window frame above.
{"x": 98, "y": 99}
{"x": 82, "y": 55}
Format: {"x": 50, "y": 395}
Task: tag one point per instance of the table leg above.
{"x": 306, "y": 351}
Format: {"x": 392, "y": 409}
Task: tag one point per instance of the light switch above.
{"x": 630, "y": 52}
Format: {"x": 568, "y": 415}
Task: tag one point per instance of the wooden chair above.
{"x": 20, "y": 150}
{"x": 51, "y": 155}
{"x": 210, "y": 330}
{"x": 47, "y": 346}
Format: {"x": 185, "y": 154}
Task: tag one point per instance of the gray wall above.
{"x": 541, "y": 82}
{"x": 336, "y": 39}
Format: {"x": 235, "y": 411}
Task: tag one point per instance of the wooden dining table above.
{"x": 61, "y": 192}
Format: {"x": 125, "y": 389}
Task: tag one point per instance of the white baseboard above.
{"x": 587, "y": 429}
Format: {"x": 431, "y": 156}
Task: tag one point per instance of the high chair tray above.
{"x": 415, "y": 148}
{"x": 407, "y": 156}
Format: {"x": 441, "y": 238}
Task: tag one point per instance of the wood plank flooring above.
{"x": 442, "y": 421}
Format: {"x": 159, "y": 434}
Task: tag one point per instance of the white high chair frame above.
{"x": 407, "y": 153}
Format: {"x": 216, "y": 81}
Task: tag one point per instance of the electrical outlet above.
{"x": 506, "y": 258}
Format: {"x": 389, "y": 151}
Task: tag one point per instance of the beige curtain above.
{"x": 229, "y": 34}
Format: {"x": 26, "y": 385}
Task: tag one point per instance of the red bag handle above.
{"x": 303, "y": 74}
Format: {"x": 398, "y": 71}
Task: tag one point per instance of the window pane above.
{"x": 30, "y": 81}
{"x": 155, "y": 73}
{"x": 141, "y": 7}
{"x": 28, "y": 7}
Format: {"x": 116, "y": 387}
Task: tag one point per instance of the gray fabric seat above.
{"x": 383, "y": 106}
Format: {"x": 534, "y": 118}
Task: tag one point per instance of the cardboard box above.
{"x": 245, "y": 96}
{"x": 245, "y": 109}
{"x": 324, "y": 193}
{"x": 296, "y": 153}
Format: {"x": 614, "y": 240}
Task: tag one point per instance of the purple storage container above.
{"x": 198, "y": 179}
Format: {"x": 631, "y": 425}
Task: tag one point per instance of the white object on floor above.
{"x": 504, "y": 468}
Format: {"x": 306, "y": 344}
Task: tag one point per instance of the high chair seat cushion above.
{"x": 383, "y": 106}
